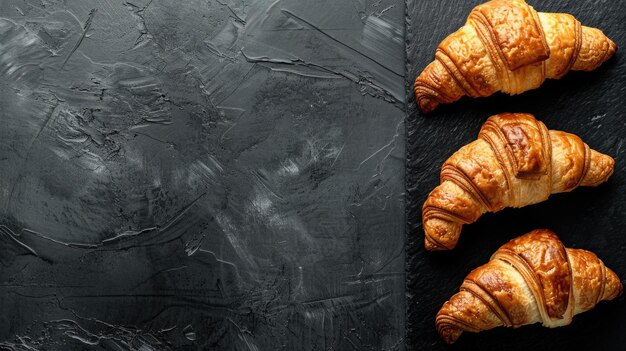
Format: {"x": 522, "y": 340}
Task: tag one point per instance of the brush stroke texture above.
{"x": 201, "y": 175}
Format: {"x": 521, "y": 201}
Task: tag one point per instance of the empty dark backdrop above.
{"x": 216, "y": 174}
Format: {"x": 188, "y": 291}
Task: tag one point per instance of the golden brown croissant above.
{"x": 515, "y": 162}
{"x": 530, "y": 279}
{"x": 507, "y": 46}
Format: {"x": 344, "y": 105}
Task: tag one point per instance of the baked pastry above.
{"x": 530, "y": 279}
{"x": 507, "y": 46}
{"x": 515, "y": 162}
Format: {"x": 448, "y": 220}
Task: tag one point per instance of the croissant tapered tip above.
{"x": 446, "y": 324}
{"x": 596, "y": 49}
{"x": 611, "y": 50}
{"x": 441, "y": 234}
{"x": 601, "y": 167}
{"x": 430, "y": 245}
{"x": 427, "y": 105}
{"x": 613, "y": 286}
{"x": 425, "y": 101}
{"x": 612, "y": 46}
{"x": 620, "y": 290}
{"x": 449, "y": 333}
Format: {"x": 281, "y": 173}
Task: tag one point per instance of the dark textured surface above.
{"x": 591, "y": 105}
{"x": 228, "y": 174}
{"x": 221, "y": 174}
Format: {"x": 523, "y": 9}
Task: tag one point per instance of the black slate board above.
{"x": 591, "y": 105}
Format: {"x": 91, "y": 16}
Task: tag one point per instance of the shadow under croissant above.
{"x": 494, "y": 229}
{"x": 576, "y": 336}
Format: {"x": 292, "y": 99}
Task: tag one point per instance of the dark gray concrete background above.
{"x": 220, "y": 174}
{"x": 591, "y": 105}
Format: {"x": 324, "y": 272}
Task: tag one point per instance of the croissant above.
{"x": 530, "y": 279}
{"x": 507, "y": 46}
{"x": 515, "y": 162}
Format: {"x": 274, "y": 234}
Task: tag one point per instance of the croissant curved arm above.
{"x": 507, "y": 46}
{"x": 516, "y": 161}
{"x": 531, "y": 279}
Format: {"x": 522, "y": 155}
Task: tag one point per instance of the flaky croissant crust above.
{"x": 507, "y": 46}
{"x": 531, "y": 279}
{"x": 515, "y": 162}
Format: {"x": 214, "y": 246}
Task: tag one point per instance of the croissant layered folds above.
{"x": 507, "y": 46}
{"x": 516, "y": 161}
{"x": 531, "y": 279}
